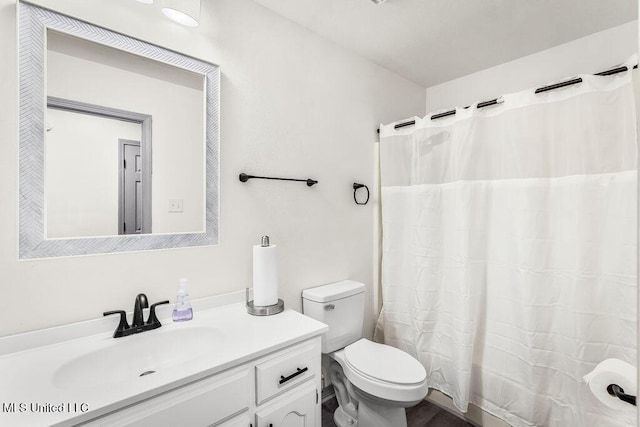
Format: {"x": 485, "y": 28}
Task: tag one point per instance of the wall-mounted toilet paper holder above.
{"x": 617, "y": 391}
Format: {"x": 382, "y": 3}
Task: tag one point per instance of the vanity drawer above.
{"x": 286, "y": 370}
{"x": 206, "y": 402}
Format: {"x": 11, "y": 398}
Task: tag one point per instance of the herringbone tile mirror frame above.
{"x": 33, "y": 25}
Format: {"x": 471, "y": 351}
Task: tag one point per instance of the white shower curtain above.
{"x": 509, "y": 249}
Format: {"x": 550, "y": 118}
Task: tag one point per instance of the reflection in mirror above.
{"x": 102, "y": 177}
{"x": 106, "y": 99}
{"x": 108, "y": 186}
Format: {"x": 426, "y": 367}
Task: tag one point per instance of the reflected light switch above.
{"x": 175, "y": 205}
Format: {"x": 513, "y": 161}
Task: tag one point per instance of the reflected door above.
{"x": 131, "y": 205}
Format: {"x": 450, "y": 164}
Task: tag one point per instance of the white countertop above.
{"x": 27, "y": 376}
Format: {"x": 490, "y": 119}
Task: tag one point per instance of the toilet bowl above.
{"x": 382, "y": 382}
{"x": 374, "y": 383}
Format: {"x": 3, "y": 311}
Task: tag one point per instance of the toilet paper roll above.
{"x": 612, "y": 371}
{"x": 265, "y": 276}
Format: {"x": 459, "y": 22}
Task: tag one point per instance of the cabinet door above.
{"x": 298, "y": 409}
{"x": 199, "y": 404}
{"x": 239, "y": 421}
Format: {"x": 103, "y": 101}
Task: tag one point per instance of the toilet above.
{"x": 374, "y": 383}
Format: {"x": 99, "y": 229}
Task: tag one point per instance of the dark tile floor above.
{"x": 424, "y": 414}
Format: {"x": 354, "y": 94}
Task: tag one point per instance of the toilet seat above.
{"x": 384, "y": 363}
{"x": 383, "y": 371}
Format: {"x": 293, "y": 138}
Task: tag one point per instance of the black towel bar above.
{"x": 244, "y": 178}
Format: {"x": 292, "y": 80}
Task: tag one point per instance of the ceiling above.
{"x": 433, "y": 41}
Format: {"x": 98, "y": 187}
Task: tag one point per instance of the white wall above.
{"x": 292, "y": 105}
{"x": 591, "y": 54}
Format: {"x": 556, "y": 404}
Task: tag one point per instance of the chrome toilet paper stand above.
{"x": 266, "y": 310}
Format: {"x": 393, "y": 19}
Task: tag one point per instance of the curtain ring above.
{"x": 356, "y": 186}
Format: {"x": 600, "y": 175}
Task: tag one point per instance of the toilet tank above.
{"x": 341, "y": 306}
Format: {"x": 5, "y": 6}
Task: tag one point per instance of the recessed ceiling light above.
{"x": 378, "y": 1}
{"x": 185, "y": 12}
{"x": 146, "y": 1}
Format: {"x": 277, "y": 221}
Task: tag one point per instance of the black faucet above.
{"x": 138, "y": 325}
{"x": 140, "y": 304}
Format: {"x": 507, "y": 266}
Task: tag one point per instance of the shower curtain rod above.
{"x": 498, "y": 100}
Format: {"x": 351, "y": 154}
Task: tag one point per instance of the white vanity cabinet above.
{"x": 201, "y": 403}
{"x": 239, "y": 421}
{"x": 280, "y": 389}
{"x": 224, "y": 368}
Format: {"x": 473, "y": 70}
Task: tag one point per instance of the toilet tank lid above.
{"x": 333, "y": 291}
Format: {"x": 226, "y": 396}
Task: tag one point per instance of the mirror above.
{"x": 118, "y": 141}
{"x": 98, "y": 163}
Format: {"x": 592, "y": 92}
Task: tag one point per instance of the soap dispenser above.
{"x": 182, "y": 311}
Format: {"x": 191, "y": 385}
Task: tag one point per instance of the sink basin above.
{"x": 136, "y": 356}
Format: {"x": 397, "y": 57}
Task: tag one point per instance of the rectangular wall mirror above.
{"x": 118, "y": 141}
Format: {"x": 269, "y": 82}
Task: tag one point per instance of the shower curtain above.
{"x": 509, "y": 249}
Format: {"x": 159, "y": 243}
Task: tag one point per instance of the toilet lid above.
{"x": 384, "y": 363}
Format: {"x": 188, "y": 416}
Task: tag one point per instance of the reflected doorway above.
{"x": 98, "y": 170}
{"x": 131, "y": 200}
